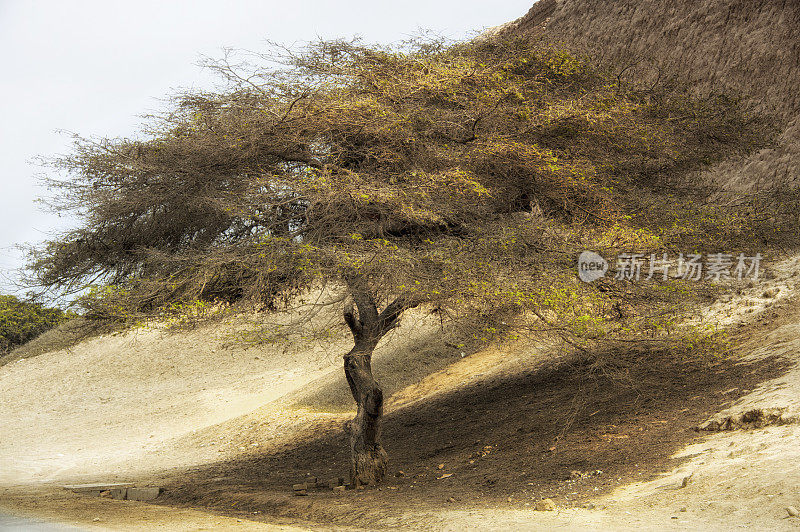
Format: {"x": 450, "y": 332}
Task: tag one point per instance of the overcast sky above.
{"x": 93, "y": 67}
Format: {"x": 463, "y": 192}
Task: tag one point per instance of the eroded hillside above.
{"x": 749, "y": 48}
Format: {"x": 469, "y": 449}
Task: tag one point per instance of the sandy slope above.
{"x": 116, "y": 398}
{"x": 731, "y": 479}
{"x": 125, "y": 398}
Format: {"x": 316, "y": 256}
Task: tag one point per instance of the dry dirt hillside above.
{"x": 744, "y": 47}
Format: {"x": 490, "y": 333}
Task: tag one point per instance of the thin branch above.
{"x": 388, "y": 318}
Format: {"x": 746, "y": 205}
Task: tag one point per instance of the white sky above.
{"x": 92, "y": 67}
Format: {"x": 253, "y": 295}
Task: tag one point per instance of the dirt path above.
{"x": 53, "y": 510}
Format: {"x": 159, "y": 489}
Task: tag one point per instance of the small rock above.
{"x": 792, "y": 511}
{"x": 545, "y": 505}
{"x": 683, "y": 508}
{"x": 338, "y": 489}
{"x": 509, "y": 499}
{"x": 451, "y": 499}
{"x": 770, "y": 293}
{"x": 300, "y": 487}
{"x": 96, "y": 520}
{"x": 300, "y": 493}
{"x": 400, "y": 474}
{"x": 441, "y": 466}
{"x": 686, "y": 480}
{"x": 589, "y": 506}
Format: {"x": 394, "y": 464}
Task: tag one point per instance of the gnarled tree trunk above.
{"x": 368, "y": 458}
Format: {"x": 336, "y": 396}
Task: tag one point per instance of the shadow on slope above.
{"x": 502, "y": 441}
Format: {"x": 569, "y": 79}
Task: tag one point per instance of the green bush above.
{"x": 21, "y": 321}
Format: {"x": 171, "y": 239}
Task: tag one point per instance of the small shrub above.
{"x": 22, "y": 321}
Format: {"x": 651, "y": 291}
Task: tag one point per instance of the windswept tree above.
{"x": 462, "y": 178}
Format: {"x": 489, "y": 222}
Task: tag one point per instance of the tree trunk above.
{"x": 368, "y": 459}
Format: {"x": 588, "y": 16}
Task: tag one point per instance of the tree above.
{"x": 463, "y": 178}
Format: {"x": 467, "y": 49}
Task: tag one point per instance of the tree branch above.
{"x": 362, "y": 297}
{"x": 388, "y": 319}
{"x": 352, "y": 322}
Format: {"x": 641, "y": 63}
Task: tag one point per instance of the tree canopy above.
{"x": 466, "y": 174}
